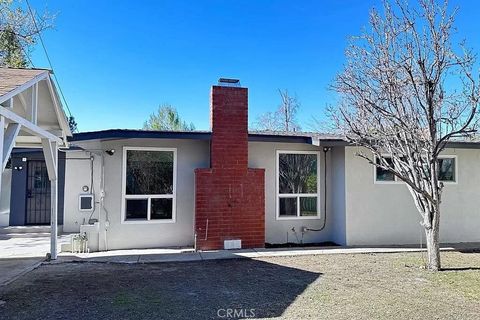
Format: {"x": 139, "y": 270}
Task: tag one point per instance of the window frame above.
{"x": 375, "y": 181}
{"x": 148, "y": 197}
{"x": 296, "y": 195}
{"x": 447, "y": 156}
{"x": 397, "y": 181}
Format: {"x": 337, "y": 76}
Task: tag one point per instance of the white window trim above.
{"x": 453, "y": 156}
{"x": 296, "y": 195}
{"x": 375, "y": 181}
{"x": 397, "y": 181}
{"x": 149, "y": 196}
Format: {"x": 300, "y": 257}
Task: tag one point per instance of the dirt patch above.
{"x": 360, "y": 286}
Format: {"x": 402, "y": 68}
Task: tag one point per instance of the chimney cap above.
{"x": 226, "y": 82}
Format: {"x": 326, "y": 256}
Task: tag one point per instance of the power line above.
{"x": 48, "y": 57}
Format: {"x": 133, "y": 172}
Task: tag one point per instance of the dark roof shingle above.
{"x": 11, "y": 79}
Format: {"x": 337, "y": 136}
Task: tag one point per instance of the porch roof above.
{"x": 15, "y": 78}
{"x": 29, "y": 97}
{"x": 31, "y": 115}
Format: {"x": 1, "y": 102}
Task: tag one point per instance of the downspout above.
{"x": 102, "y": 202}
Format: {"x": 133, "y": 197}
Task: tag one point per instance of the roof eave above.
{"x": 118, "y": 134}
{"x": 24, "y": 86}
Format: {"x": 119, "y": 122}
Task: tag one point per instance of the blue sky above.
{"x": 117, "y": 61}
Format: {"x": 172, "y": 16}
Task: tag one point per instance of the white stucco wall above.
{"x": 383, "y": 214}
{"x": 190, "y": 155}
{"x": 359, "y": 211}
{"x": 263, "y": 155}
{"x": 77, "y": 175}
{"x": 337, "y": 194}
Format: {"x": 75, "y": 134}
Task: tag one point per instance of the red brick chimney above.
{"x": 229, "y": 196}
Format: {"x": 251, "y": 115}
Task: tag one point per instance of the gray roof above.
{"x": 326, "y": 139}
{"x": 267, "y": 136}
{"x": 317, "y": 135}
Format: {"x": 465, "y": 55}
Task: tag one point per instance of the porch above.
{"x": 31, "y": 116}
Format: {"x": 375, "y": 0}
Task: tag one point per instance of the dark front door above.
{"x": 38, "y": 193}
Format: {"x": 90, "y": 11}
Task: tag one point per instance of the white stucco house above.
{"x": 228, "y": 188}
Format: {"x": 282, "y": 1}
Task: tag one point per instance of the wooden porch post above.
{"x": 50, "y": 151}
{"x": 53, "y": 219}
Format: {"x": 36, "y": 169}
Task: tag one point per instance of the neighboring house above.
{"x": 164, "y": 189}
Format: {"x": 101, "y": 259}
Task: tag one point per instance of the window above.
{"x": 149, "y": 183}
{"x": 446, "y": 169}
{"x": 382, "y": 175}
{"x": 297, "y": 184}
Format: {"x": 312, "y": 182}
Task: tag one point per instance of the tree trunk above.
{"x": 433, "y": 248}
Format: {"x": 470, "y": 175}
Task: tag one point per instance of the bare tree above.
{"x": 284, "y": 119}
{"x": 323, "y": 124}
{"x": 288, "y": 111}
{"x": 405, "y": 91}
{"x": 269, "y": 121}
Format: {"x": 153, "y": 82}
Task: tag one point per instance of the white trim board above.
{"x": 24, "y": 86}
{"x": 399, "y": 182}
{"x": 29, "y": 126}
{"x": 148, "y": 197}
{"x": 295, "y": 195}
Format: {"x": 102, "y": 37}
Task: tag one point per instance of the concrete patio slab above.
{"x": 188, "y": 254}
{"x": 170, "y": 257}
{"x": 22, "y": 252}
{"x": 86, "y": 257}
{"x": 29, "y": 246}
{"x": 229, "y": 254}
{"x": 38, "y": 247}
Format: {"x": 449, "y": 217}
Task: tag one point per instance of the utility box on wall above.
{"x": 86, "y": 202}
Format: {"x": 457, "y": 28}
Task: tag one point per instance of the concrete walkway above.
{"x": 23, "y": 252}
{"x": 19, "y": 255}
{"x": 29, "y": 246}
{"x": 181, "y": 255}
